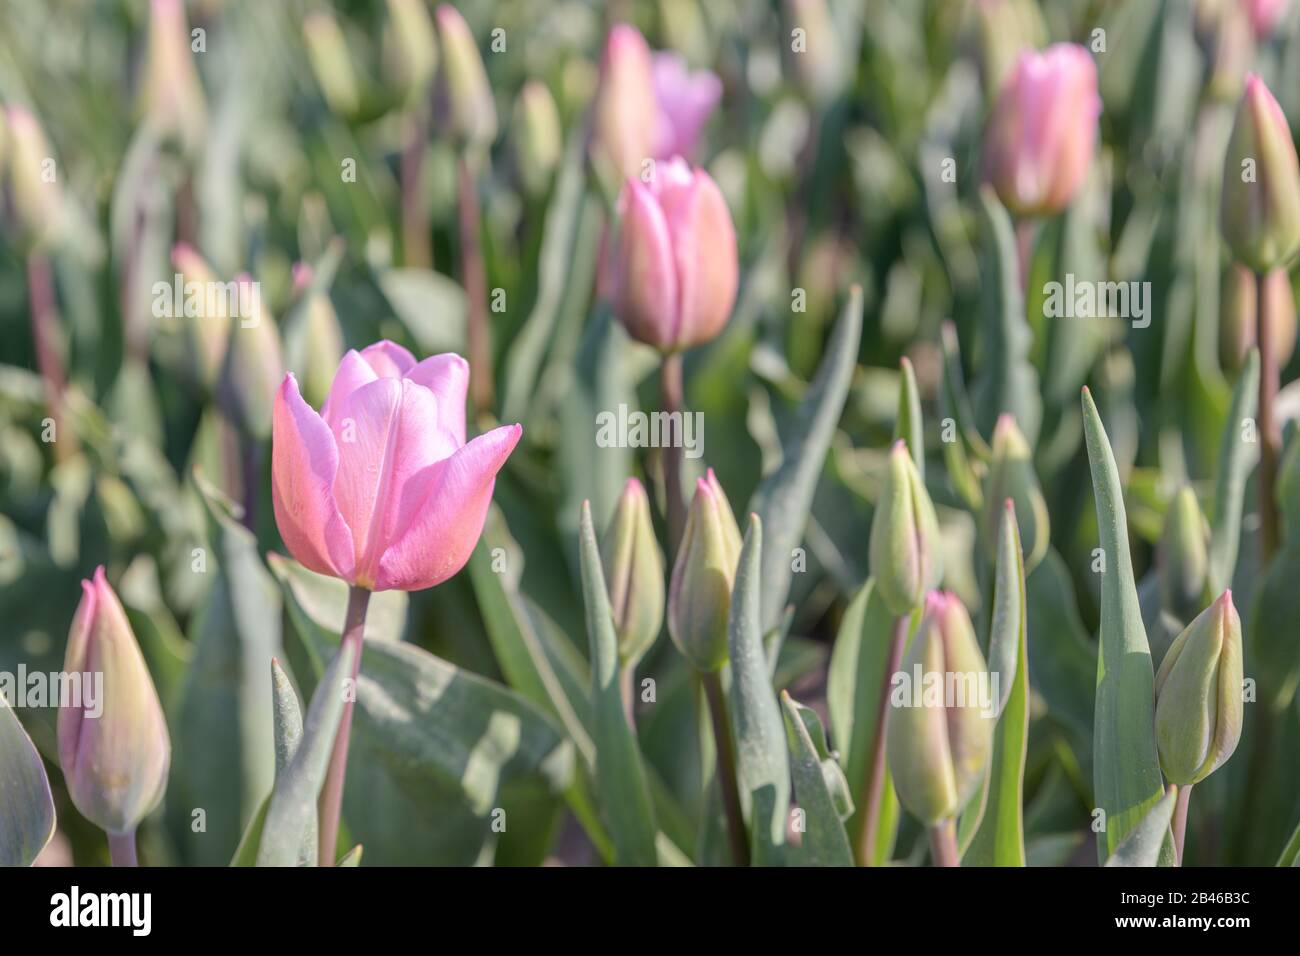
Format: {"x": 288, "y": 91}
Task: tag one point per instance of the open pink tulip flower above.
{"x": 381, "y": 489}
{"x": 1043, "y": 130}
{"x": 685, "y": 99}
{"x": 677, "y": 268}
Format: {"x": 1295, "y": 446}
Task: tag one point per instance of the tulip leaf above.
{"x": 26, "y": 805}
{"x": 289, "y": 829}
{"x": 963, "y": 458}
{"x": 288, "y": 718}
{"x": 909, "y": 426}
{"x": 784, "y": 498}
{"x": 246, "y": 852}
{"x": 1236, "y": 458}
{"x": 1063, "y": 658}
{"x": 820, "y": 788}
{"x": 1126, "y": 769}
{"x": 437, "y": 755}
{"x": 762, "y": 757}
{"x": 1000, "y": 839}
{"x": 1151, "y": 839}
{"x": 352, "y": 858}
{"x": 1291, "y": 852}
{"x": 620, "y": 774}
{"x": 855, "y": 681}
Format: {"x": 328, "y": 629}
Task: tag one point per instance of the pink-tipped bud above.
{"x": 699, "y": 595}
{"x": 626, "y": 114}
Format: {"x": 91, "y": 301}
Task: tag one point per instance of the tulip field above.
{"x": 801, "y": 433}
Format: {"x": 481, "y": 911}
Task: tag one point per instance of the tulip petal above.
{"x": 647, "y": 282}
{"x": 447, "y": 376}
{"x": 703, "y": 245}
{"x": 388, "y": 359}
{"x": 304, "y": 463}
{"x": 438, "y": 541}
{"x": 353, "y": 372}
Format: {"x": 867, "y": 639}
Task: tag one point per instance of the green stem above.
{"x": 943, "y": 843}
{"x": 869, "y": 818}
{"x": 121, "y": 848}
{"x": 627, "y": 687}
{"x": 671, "y": 398}
{"x": 1180, "y": 820}
{"x": 1270, "y": 434}
{"x": 726, "y": 768}
{"x": 474, "y": 279}
{"x": 331, "y": 798}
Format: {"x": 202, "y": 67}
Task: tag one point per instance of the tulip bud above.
{"x": 1006, "y": 28}
{"x": 625, "y": 117}
{"x": 634, "y": 572}
{"x": 1238, "y": 326}
{"x": 172, "y": 95}
{"x": 1264, "y": 16}
{"x": 415, "y": 54}
{"x": 677, "y": 271}
{"x": 464, "y": 96}
{"x": 1041, "y": 134}
{"x": 114, "y": 750}
{"x": 1183, "y": 559}
{"x": 254, "y": 365}
{"x": 330, "y": 61}
{"x": 1260, "y": 209}
{"x": 1011, "y": 475}
{"x": 1198, "y": 695}
{"x": 538, "y": 139}
{"x": 31, "y": 180}
{"x": 940, "y": 734}
{"x": 699, "y": 595}
{"x": 208, "y": 331}
{"x": 904, "y": 548}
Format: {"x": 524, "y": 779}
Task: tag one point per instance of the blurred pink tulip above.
{"x": 381, "y": 489}
{"x": 677, "y": 270}
{"x": 685, "y": 101}
{"x": 1265, "y": 15}
{"x": 625, "y": 117}
{"x": 1042, "y": 131}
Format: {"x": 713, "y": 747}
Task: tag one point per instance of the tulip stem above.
{"x": 671, "y": 398}
{"x": 331, "y": 798}
{"x": 416, "y": 251}
{"x": 1270, "y": 435}
{"x": 474, "y": 278}
{"x": 45, "y": 320}
{"x": 869, "y": 819}
{"x": 627, "y": 686}
{"x": 121, "y": 848}
{"x": 1180, "y": 819}
{"x": 943, "y": 843}
{"x": 726, "y": 767}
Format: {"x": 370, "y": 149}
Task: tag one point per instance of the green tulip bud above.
{"x": 1198, "y": 695}
{"x": 1240, "y": 304}
{"x": 634, "y": 573}
{"x": 1183, "y": 559}
{"x": 1012, "y": 476}
{"x": 699, "y": 595}
{"x": 538, "y": 139}
{"x": 940, "y": 733}
{"x": 904, "y": 548}
{"x": 1260, "y": 210}
{"x": 31, "y": 180}
{"x": 415, "y": 48}
{"x": 464, "y": 95}
{"x": 114, "y": 749}
{"x": 327, "y": 50}
{"x": 172, "y": 95}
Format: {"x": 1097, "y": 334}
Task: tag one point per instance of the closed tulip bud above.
{"x": 1041, "y": 134}
{"x": 1260, "y": 209}
{"x": 254, "y": 364}
{"x": 1012, "y": 476}
{"x": 1265, "y": 15}
{"x": 939, "y": 736}
{"x": 415, "y": 47}
{"x": 464, "y": 96}
{"x": 208, "y": 331}
{"x": 538, "y": 139}
{"x": 173, "y": 100}
{"x": 820, "y": 66}
{"x": 31, "y": 181}
{"x": 1006, "y": 28}
{"x": 1198, "y": 695}
{"x": 1183, "y": 559}
{"x": 1240, "y": 304}
{"x": 327, "y": 50}
{"x": 676, "y": 270}
{"x": 625, "y": 117}
{"x": 381, "y": 488}
{"x": 699, "y": 595}
{"x": 904, "y": 549}
{"x": 114, "y": 750}
{"x": 634, "y": 573}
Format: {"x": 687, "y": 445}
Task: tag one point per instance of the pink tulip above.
{"x": 677, "y": 269}
{"x": 1041, "y": 134}
{"x": 625, "y": 114}
{"x": 685, "y": 100}
{"x": 381, "y": 489}
{"x": 1265, "y": 15}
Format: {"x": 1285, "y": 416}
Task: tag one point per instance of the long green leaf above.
{"x": 1236, "y": 458}
{"x": 1291, "y": 852}
{"x": 762, "y": 758}
{"x": 1126, "y": 769}
{"x": 1000, "y": 840}
{"x": 820, "y": 788}
{"x": 784, "y": 498}
{"x": 1150, "y": 839}
{"x": 909, "y": 426}
{"x": 26, "y": 806}
{"x": 620, "y": 775}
